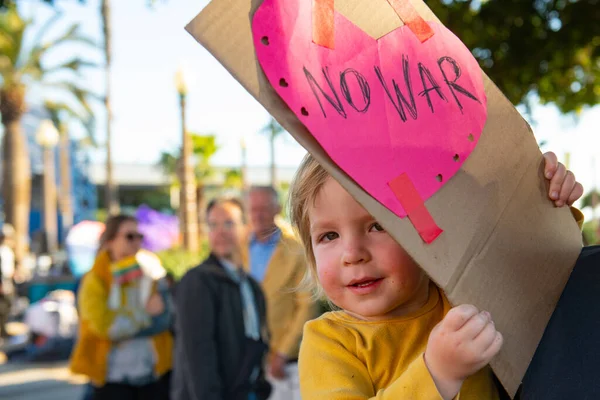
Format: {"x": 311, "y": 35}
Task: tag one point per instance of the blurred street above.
{"x": 32, "y": 381}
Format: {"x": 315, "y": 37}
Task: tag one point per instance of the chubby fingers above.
{"x": 550, "y": 164}
{"x": 557, "y": 182}
{"x": 575, "y": 194}
{"x": 457, "y": 317}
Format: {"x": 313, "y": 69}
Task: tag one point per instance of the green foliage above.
{"x": 178, "y": 261}
{"x": 233, "y": 179}
{"x": 168, "y": 161}
{"x": 590, "y": 232}
{"x": 204, "y": 148}
{"x": 591, "y": 199}
{"x": 547, "y": 47}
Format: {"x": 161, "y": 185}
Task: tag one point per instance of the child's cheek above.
{"x": 328, "y": 277}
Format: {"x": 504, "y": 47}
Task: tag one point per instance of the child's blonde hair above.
{"x": 305, "y": 187}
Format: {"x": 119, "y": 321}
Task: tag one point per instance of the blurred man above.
{"x": 276, "y": 260}
{"x": 220, "y": 325}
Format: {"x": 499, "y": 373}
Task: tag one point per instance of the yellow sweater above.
{"x": 343, "y": 358}
{"x": 90, "y": 355}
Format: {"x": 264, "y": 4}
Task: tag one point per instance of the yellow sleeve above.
{"x": 328, "y": 370}
{"x": 93, "y": 305}
{"x": 305, "y": 310}
{"x": 578, "y": 216}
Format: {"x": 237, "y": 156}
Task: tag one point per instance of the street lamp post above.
{"x": 47, "y": 136}
{"x": 188, "y": 204}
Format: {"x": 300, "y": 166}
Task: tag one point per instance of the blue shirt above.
{"x": 261, "y": 253}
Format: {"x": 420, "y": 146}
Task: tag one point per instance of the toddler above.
{"x": 395, "y": 336}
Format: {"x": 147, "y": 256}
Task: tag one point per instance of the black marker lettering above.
{"x": 452, "y": 85}
{"x": 426, "y": 75}
{"x": 412, "y": 108}
{"x": 365, "y": 89}
{"x": 336, "y": 104}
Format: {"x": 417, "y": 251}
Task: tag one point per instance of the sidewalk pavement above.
{"x": 32, "y": 381}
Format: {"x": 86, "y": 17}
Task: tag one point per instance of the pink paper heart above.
{"x": 355, "y": 100}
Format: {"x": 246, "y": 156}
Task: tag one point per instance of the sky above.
{"x": 149, "y": 45}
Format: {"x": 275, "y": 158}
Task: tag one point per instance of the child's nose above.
{"x": 355, "y": 252}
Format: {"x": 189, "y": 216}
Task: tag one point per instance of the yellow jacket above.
{"x": 90, "y": 355}
{"x": 287, "y": 307}
{"x": 343, "y": 358}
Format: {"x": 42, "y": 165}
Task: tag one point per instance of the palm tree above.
{"x": 111, "y": 194}
{"x": 273, "y": 130}
{"x": 61, "y": 114}
{"x": 204, "y": 148}
{"x": 233, "y": 179}
{"x": 20, "y": 68}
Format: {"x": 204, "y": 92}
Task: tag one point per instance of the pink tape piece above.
{"x": 413, "y": 204}
{"x": 323, "y": 23}
{"x": 412, "y": 19}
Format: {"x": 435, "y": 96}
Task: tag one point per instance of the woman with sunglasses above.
{"x": 124, "y": 343}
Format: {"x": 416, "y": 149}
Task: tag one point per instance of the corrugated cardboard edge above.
{"x": 505, "y": 248}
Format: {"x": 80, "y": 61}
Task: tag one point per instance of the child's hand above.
{"x": 464, "y": 342}
{"x": 564, "y": 189}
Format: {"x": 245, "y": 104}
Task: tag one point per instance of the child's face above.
{"x": 360, "y": 267}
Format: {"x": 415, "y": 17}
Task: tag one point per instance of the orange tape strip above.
{"x": 414, "y": 206}
{"x": 323, "y": 23}
{"x": 412, "y": 19}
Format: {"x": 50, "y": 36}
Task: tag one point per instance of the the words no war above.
{"x": 403, "y": 99}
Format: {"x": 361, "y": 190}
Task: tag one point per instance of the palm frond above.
{"x": 204, "y": 146}
{"x": 13, "y": 27}
{"x": 75, "y": 64}
{"x": 7, "y": 43}
{"x": 168, "y": 162}
{"x": 39, "y": 49}
{"x": 43, "y": 31}
{"x": 81, "y": 95}
{"x": 61, "y": 112}
{"x": 273, "y": 128}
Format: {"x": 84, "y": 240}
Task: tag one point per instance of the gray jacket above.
{"x": 213, "y": 357}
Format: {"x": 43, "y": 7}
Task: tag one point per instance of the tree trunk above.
{"x": 273, "y": 165}
{"x": 16, "y": 168}
{"x": 188, "y": 206}
{"x": 66, "y": 197}
{"x": 112, "y": 204}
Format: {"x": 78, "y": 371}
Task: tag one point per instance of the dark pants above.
{"x": 158, "y": 390}
{"x": 566, "y": 365}
{"x": 5, "y": 305}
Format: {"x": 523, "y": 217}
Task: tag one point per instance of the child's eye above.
{"x": 376, "y": 227}
{"x": 329, "y": 236}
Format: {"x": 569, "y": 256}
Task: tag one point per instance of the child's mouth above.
{"x": 365, "y": 286}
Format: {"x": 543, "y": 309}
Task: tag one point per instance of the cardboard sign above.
{"x": 504, "y": 248}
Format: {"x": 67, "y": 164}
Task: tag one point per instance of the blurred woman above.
{"x": 124, "y": 344}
